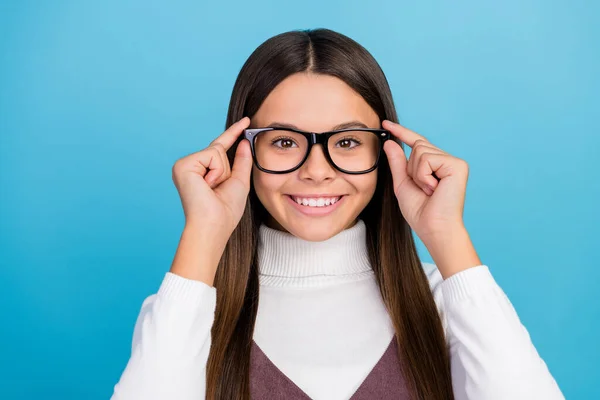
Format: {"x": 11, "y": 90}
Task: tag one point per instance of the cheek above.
{"x": 266, "y": 185}
{"x": 365, "y": 186}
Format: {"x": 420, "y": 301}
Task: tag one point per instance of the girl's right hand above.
{"x": 212, "y": 193}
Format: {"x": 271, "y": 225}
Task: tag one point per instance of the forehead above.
{"x": 315, "y": 103}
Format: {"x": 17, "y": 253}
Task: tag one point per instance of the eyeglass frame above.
{"x": 313, "y": 138}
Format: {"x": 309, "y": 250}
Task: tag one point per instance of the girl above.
{"x": 297, "y": 276}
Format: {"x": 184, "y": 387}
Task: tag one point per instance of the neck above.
{"x": 285, "y": 260}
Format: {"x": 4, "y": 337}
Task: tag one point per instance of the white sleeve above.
{"x": 491, "y": 353}
{"x": 171, "y": 343}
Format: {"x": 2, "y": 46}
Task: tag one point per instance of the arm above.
{"x": 492, "y": 355}
{"x": 171, "y": 343}
{"x": 171, "y": 339}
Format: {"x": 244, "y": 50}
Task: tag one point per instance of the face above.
{"x": 314, "y": 103}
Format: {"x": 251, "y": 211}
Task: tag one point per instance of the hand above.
{"x": 212, "y": 193}
{"x": 431, "y": 205}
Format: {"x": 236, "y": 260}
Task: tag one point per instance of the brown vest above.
{"x": 384, "y": 382}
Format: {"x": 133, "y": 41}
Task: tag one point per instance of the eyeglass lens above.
{"x": 281, "y": 150}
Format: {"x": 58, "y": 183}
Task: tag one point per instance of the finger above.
{"x": 423, "y": 176}
{"x": 228, "y": 138}
{"x": 404, "y": 134}
{"x": 443, "y": 166}
{"x": 397, "y": 160}
{"x": 241, "y": 170}
{"x": 416, "y": 153}
{"x": 211, "y": 160}
{"x": 226, "y": 170}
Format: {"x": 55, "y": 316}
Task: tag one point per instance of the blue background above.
{"x": 99, "y": 98}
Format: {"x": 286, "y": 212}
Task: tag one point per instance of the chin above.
{"x": 316, "y": 235}
{"x": 313, "y": 229}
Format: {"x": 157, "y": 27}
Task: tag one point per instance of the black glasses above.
{"x": 283, "y": 150}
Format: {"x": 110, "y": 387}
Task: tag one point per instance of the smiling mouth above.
{"x": 316, "y": 202}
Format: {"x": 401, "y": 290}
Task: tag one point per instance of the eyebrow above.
{"x": 343, "y": 125}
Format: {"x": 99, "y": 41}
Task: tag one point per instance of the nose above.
{"x": 317, "y": 167}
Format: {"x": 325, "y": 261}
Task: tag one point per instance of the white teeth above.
{"x": 320, "y": 202}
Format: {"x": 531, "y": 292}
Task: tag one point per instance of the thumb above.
{"x": 398, "y": 164}
{"x": 242, "y": 166}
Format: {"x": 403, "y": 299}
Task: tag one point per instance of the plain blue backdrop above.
{"x": 99, "y": 98}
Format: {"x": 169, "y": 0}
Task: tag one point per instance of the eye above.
{"x": 283, "y": 139}
{"x": 348, "y": 140}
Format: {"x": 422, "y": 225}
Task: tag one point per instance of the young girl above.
{"x": 297, "y": 276}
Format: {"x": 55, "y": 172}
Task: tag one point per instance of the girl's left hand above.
{"x": 431, "y": 207}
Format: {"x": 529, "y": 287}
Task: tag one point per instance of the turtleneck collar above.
{"x": 285, "y": 260}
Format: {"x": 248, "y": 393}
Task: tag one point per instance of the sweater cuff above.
{"x": 178, "y": 288}
{"x": 471, "y": 282}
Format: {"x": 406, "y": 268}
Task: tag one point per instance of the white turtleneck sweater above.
{"x": 321, "y": 320}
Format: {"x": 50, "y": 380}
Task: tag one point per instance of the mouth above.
{"x": 316, "y": 201}
{"x": 316, "y": 206}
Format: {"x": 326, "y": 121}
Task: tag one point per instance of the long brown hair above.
{"x": 403, "y": 284}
